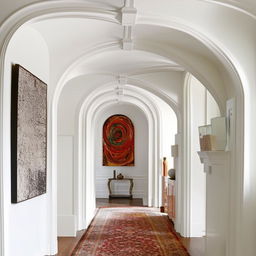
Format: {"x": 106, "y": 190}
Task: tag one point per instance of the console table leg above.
{"x": 131, "y": 187}
{"x": 109, "y": 188}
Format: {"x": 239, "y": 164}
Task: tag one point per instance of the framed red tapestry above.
{"x": 118, "y": 141}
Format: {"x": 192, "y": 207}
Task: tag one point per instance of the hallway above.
{"x": 95, "y": 90}
{"x": 67, "y": 245}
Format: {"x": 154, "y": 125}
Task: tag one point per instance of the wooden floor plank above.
{"x": 194, "y": 245}
{"x": 67, "y": 244}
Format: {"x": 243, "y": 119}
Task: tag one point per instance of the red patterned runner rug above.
{"x": 134, "y": 231}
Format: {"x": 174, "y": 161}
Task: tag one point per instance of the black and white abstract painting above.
{"x": 29, "y": 135}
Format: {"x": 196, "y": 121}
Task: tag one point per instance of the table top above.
{"x": 120, "y": 179}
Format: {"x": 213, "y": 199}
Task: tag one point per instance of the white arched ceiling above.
{"x": 155, "y": 48}
{"x": 162, "y": 45}
{"x": 159, "y": 84}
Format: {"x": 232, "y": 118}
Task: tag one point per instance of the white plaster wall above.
{"x": 217, "y": 195}
{"x": 212, "y": 109}
{"x": 72, "y": 96}
{"x": 168, "y": 131}
{"x": 168, "y": 126}
{"x": 203, "y": 107}
{"x": 139, "y": 172}
{"x": 26, "y": 222}
{"x": 198, "y": 182}
{"x": 66, "y": 217}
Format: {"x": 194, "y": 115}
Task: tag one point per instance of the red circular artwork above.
{"x": 118, "y": 141}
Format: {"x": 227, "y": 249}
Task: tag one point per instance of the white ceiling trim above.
{"x": 129, "y": 14}
{"x": 85, "y": 13}
{"x": 157, "y": 68}
{"x": 238, "y": 6}
{"x": 139, "y": 71}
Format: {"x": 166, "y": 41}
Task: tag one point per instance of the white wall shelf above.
{"x": 213, "y": 157}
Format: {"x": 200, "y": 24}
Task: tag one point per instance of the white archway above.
{"x": 98, "y": 96}
{"x": 27, "y": 14}
{"x": 196, "y": 227}
{"x": 87, "y": 115}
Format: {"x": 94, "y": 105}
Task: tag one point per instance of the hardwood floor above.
{"x": 195, "y": 246}
{"x": 67, "y": 244}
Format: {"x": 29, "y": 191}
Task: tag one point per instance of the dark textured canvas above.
{"x": 29, "y": 135}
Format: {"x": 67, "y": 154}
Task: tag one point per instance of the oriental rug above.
{"x": 133, "y": 231}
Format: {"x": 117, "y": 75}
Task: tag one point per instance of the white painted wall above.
{"x": 202, "y": 108}
{"x": 66, "y": 217}
{"x": 26, "y": 223}
{"x": 168, "y": 131}
{"x": 212, "y": 109}
{"x": 139, "y": 172}
{"x": 72, "y": 96}
{"x": 217, "y": 195}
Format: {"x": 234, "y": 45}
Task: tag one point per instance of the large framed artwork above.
{"x": 28, "y": 135}
{"x": 118, "y": 141}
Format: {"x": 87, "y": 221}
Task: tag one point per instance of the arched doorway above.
{"x": 98, "y": 102}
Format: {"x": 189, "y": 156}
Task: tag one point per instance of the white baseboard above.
{"x": 67, "y": 225}
{"x": 197, "y": 230}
